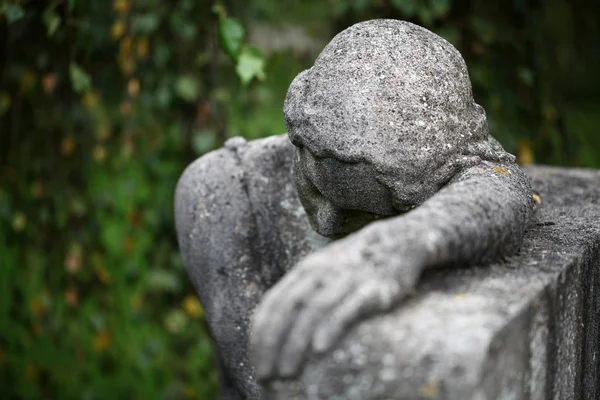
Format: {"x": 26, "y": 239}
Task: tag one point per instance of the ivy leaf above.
{"x": 219, "y": 9}
{"x": 145, "y": 24}
{"x": 80, "y": 80}
{"x": 163, "y": 281}
{"x": 231, "y": 36}
{"x": 250, "y": 65}
{"x": 13, "y": 12}
{"x": 113, "y": 234}
{"x": 176, "y": 321}
{"x": 188, "y": 88}
{"x": 52, "y": 21}
{"x": 526, "y": 75}
{"x": 4, "y": 102}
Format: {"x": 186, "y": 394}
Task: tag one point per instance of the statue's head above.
{"x": 382, "y": 121}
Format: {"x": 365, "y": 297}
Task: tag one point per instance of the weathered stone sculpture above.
{"x": 392, "y": 159}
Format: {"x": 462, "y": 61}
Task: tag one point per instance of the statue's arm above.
{"x": 480, "y": 215}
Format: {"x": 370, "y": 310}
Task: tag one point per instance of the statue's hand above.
{"x": 316, "y": 302}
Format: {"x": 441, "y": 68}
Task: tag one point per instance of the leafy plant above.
{"x": 102, "y": 106}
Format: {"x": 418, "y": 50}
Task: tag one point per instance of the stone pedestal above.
{"x": 526, "y": 328}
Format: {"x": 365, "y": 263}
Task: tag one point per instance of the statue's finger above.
{"x": 318, "y": 308}
{"x": 274, "y": 297}
{"x": 369, "y": 298}
{"x": 273, "y": 321}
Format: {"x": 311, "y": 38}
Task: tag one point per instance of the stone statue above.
{"x": 390, "y": 171}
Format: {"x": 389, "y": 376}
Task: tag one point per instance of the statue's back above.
{"x": 241, "y": 227}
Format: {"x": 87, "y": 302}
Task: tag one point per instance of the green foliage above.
{"x": 80, "y": 80}
{"x": 249, "y": 61}
{"x": 103, "y": 104}
{"x": 52, "y": 21}
{"x": 188, "y": 88}
{"x": 11, "y": 11}
{"x": 250, "y": 64}
{"x": 231, "y": 33}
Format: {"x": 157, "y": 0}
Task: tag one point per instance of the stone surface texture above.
{"x": 524, "y": 328}
{"x": 388, "y": 139}
{"x": 392, "y": 165}
{"x": 527, "y": 327}
{"x": 240, "y": 227}
{"x": 386, "y": 90}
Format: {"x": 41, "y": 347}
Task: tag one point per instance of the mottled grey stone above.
{"x": 388, "y": 139}
{"x": 398, "y": 98}
{"x": 240, "y": 227}
{"x": 524, "y": 328}
{"x": 394, "y": 168}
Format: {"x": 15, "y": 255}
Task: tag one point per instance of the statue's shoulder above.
{"x": 263, "y": 156}
{"x": 225, "y": 170}
{"x": 217, "y": 187}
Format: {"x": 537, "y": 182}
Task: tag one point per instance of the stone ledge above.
{"x": 528, "y": 328}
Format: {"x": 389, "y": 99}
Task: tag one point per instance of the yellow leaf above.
{"x": 101, "y": 341}
{"x": 192, "y": 307}
{"x": 117, "y": 30}
{"x": 103, "y": 131}
{"x": 536, "y": 198}
{"x": 103, "y": 274}
{"x": 90, "y": 100}
{"x": 5, "y": 102}
{"x": 67, "y": 146}
{"x": 133, "y": 87}
{"x": 19, "y": 222}
{"x": 126, "y": 48}
{"x": 525, "y": 153}
{"x": 121, "y": 6}
{"x": 99, "y": 154}
{"x": 127, "y": 66}
{"x": 142, "y": 48}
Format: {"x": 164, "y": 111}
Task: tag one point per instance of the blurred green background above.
{"x": 104, "y": 103}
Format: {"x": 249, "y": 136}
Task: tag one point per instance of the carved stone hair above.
{"x": 398, "y": 97}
